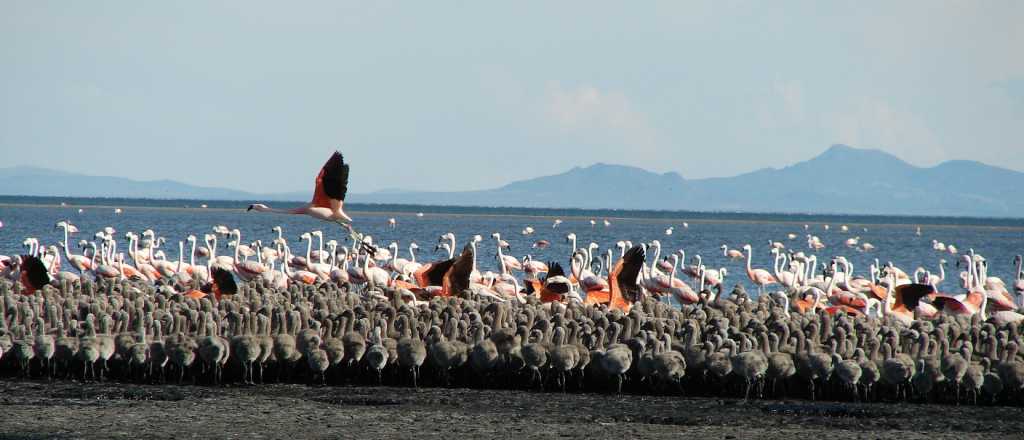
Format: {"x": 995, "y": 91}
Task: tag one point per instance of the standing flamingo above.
{"x": 760, "y": 277}
{"x": 80, "y": 262}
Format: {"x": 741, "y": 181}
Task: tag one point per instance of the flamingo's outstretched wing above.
{"x": 457, "y": 278}
{"x": 33, "y": 274}
{"x": 910, "y": 294}
{"x": 332, "y": 182}
{"x": 627, "y": 271}
{"x": 223, "y": 283}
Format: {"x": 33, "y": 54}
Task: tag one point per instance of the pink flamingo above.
{"x": 511, "y": 263}
{"x": 681, "y": 291}
{"x": 532, "y": 268}
{"x": 760, "y": 277}
{"x": 731, "y": 253}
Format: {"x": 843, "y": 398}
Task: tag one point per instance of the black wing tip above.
{"x": 250, "y": 208}
{"x": 555, "y": 269}
{"x": 225, "y": 281}
{"x": 636, "y": 252}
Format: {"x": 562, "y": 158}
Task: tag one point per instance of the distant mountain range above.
{"x": 33, "y": 181}
{"x": 840, "y": 180}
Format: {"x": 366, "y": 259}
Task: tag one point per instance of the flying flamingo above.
{"x": 760, "y": 277}
{"x": 328, "y": 195}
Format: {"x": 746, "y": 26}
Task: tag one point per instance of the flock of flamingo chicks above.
{"x": 355, "y": 312}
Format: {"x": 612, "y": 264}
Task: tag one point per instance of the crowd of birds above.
{"x": 612, "y": 321}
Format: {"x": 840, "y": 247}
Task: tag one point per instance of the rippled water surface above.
{"x": 894, "y": 238}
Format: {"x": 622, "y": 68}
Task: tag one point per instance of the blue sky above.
{"x": 466, "y": 95}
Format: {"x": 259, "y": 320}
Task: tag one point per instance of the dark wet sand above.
{"x": 64, "y": 409}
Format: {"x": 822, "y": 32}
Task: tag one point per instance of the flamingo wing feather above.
{"x": 332, "y": 182}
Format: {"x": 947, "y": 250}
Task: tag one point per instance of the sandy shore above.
{"x": 65, "y": 409}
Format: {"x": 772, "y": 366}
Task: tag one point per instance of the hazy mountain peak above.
{"x": 841, "y": 152}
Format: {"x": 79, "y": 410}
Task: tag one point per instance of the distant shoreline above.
{"x": 675, "y": 218}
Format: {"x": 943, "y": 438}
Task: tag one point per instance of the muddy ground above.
{"x": 66, "y": 409}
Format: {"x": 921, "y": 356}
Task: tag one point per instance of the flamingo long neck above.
{"x": 702, "y": 277}
{"x": 942, "y": 272}
{"x": 181, "y": 254}
{"x": 1019, "y": 274}
{"x": 750, "y": 255}
{"x": 287, "y": 258}
{"x": 831, "y": 281}
{"x": 320, "y": 249}
{"x": 501, "y": 261}
{"x": 412, "y": 255}
{"x": 976, "y": 275}
{"x": 309, "y": 250}
{"x": 451, "y": 246}
{"x": 809, "y": 269}
{"x": 780, "y": 261}
{"x": 213, "y": 248}
{"x": 672, "y": 274}
{"x": 890, "y": 299}
{"x": 366, "y": 271}
{"x": 68, "y": 254}
{"x": 133, "y": 249}
{"x": 657, "y": 254}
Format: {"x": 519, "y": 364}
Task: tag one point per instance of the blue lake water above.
{"x": 894, "y": 238}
